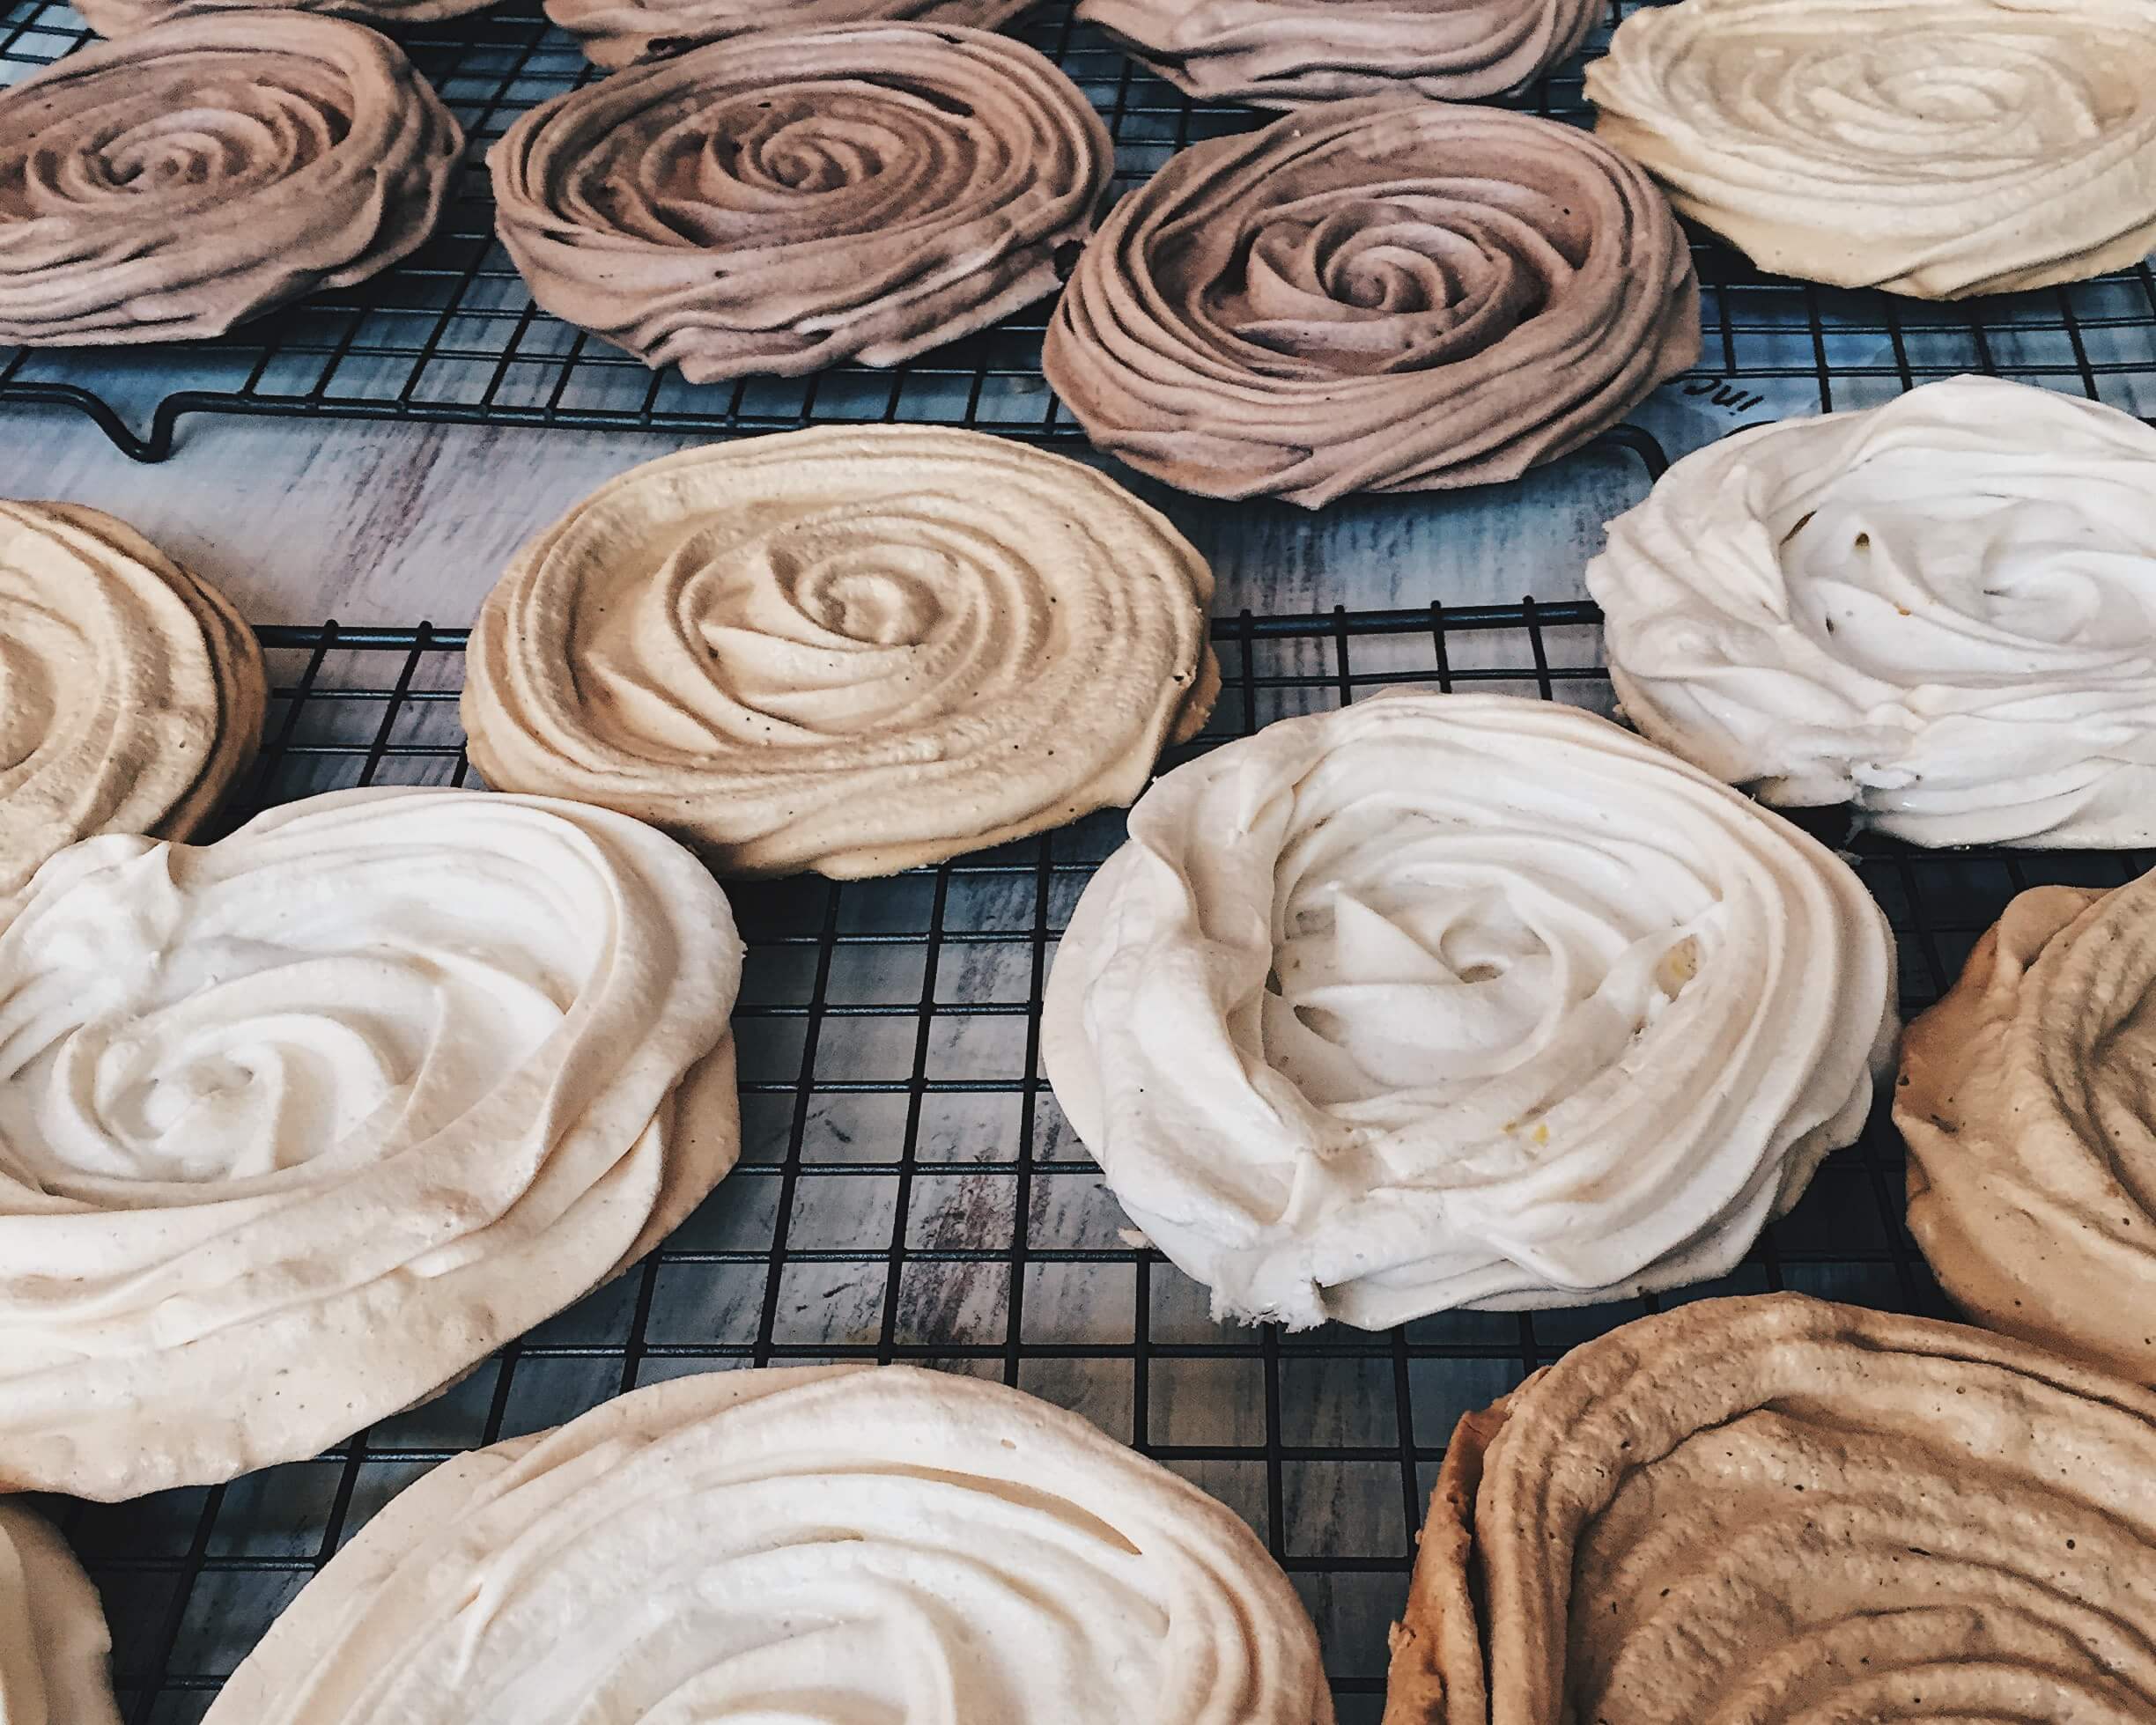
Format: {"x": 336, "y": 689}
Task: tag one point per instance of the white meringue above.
{"x": 1942, "y": 611}
{"x": 818, "y": 1545}
{"x": 53, "y": 1641}
{"x": 1451, "y": 1000}
{"x": 1937, "y": 148}
{"x": 296, "y": 1127}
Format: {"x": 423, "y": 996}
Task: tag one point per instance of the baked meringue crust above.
{"x": 1387, "y": 294}
{"x": 851, "y": 651}
{"x": 133, "y": 693}
{"x": 53, "y": 1644}
{"x": 1934, "y": 148}
{"x": 208, "y": 168}
{"x": 1941, "y": 611}
{"x": 1288, "y": 53}
{"x": 1774, "y": 1509}
{"x": 2024, "y": 1101}
{"x": 780, "y": 202}
{"x": 624, "y": 32}
{"x": 296, "y": 1128}
{"x": 812, "y": 1543}
{"x": 114, "y": 19}
{"x": 1447, "y": 1000}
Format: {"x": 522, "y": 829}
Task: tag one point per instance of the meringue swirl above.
{"x": 816, "y": 1544}
{"x": 852, "y": 651}
{"x": 115, "y": 19}
{"x": 1941, "y": 611}
{"x": 1286, "y": 53}
{"x": 1774, "y": 1510}
{"x": 207, "y": 169}
{"x": 131, "y": 694}
{"x": 1448, "y": 1000}
{"x": 1388, "y": 294}
{"x": 296, "y": 1127}
{"x": 2025, "y": 1102}
{"x": 622, "y": 32}
{"x": 1936, "y": 148}
{"x": 52, "y": 1638}
{"x": 783, "y": 202}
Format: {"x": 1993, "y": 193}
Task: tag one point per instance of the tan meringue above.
{"x": 2026, "y": 1104}
{"x": 296, "y": 1128}
{"x": 851, "y": 651}
{"x": 1388, "y": 294}
{"x": 207, "y": 169}
{"x": 120, "y": 18}
{"x": 1286, "y": 53}
{"x": 133, "y": 693}
{"x": 1444, "y": 1000}
{"x": 623, "y": 32}
{"x": 783, "y": 202}
{"x": 54, "y": 1645}
{"x": 1936, "y": 148}
{"x": 806, "y": 1544}
{"x": 1772, "y": 1509}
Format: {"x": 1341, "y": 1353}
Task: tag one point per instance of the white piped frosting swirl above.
{"x": 296, "y": 1127}
{"x": 1461, "y": 1001}
{"x": 208, "y": 168}
{"x": 1936, "y": 148}
{"x": 53, "y": 1644}
{"x": 821, "y": 1545}
{"x": 1941, "y": 611}
{"x": 854, "y": 652}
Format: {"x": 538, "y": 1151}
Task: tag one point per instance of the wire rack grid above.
{"x": 909, "y": 1191}
{"x": 451, "y": 334}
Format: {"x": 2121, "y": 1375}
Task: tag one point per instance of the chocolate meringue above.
{"x": 854, "y": 650}
{"x": 783, "y": 202}
{"x": 120, "y": 18}
{"x": 1446, "y": 1000}
{"x": 207, "y": 169}
{"x": 1936, "y": 148}
{"x": 622, "y": 32}
{"x": 53, "y": 1639}
{"x": 1941, "y": 611}
{"x": 1772, "y": 1508}
{"x": 1286, "y": 53}
{"x": 133, "y": 693}
{"x": 1384, "y": 295}
{"x": 2024, "y": 1101}
{"x": 298, "y": 1127}
{"x": 812, "y": 1543}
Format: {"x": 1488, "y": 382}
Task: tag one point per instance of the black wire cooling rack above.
{"x": 908, "y": 1190}
{"x": 452, "y": 335}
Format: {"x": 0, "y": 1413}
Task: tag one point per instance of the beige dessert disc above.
{"x": 207, "y": 169}
{"x": 131, "y": 694}
{"x": 120, "y": 18}
{"x": 296, "y": 1128}
{"x": 621, "y": 33}
{"x": 1936, "y": 148}
{"x": 54, "y": 1645}
{"x": 850, "y": 650}
{"x": 838, "y": 1543}
{"x": 784, "y": 202}
{"x": 1286, "y": 53}
{"x": 1774, "y": 1510}
{"x": 1388, "y": 294}
{"x": 2027, "y": 1101}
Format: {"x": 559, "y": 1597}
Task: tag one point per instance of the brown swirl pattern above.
{"x": 1387, "y": 294}
{"x": 131, "y": 694}
{"x": 206, "y": 169}
{"x": 1286, "y": 53}
{"x": 782, "y": 202}
{"x": 622, "y": 32}
{"x": 1776, "y": 1511}
{"x": 114, "y": 19}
